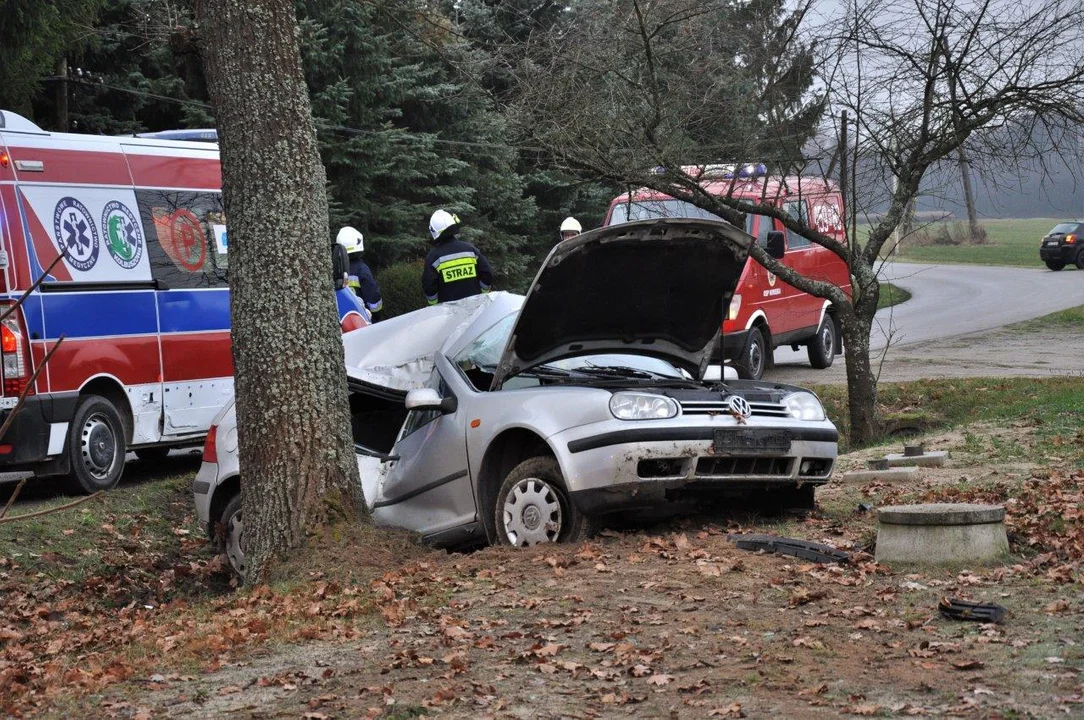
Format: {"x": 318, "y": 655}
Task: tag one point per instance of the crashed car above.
{"x": 526, "y": 419}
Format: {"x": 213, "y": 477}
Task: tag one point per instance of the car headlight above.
{"x": 804, "y": 406}
{"x": 638, "y": 406}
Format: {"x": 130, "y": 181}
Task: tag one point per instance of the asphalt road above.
{"x": 953, "y": 300}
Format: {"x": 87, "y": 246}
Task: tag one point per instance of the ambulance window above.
{"x": 186, "y": 234}
{"x": 797, "y": 210}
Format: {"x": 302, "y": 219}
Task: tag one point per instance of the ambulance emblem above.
{"x": 75, "y": 233}
{"x": 124, "y": 237}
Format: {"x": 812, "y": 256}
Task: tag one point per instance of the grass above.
{"x": 1012, "y": 242}
{"x": 74, "y": 544}
{"x": 1071, "y": 319}
{"x": 891, "y": 295}
{"x": 1050, "y": 403}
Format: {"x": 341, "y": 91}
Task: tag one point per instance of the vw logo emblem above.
{"x": 739, "y": 406}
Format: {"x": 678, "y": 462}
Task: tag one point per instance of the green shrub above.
{"x": 401, "y": 288}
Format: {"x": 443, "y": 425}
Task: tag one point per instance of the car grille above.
{"x": 719, "y": 407}
{"x": 744, "y": 466}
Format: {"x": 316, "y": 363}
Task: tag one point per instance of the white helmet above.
{"x": 351, "y": 239}
{"x": 571, "y": 224}
{"x": 441, "y": 221}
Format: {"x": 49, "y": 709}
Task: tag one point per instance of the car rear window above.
{"x": 1065, "y": 228}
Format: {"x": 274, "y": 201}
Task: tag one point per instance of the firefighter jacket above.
{"x": 360, "y": 279}
{"x": 455, "y": 269}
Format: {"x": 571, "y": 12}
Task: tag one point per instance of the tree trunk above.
{"x": 973, "y": 227}
{"x": 861, "y": 382}
{"x": 293, "y": 421}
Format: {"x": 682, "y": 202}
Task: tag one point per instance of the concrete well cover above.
{"x": 941, "y": 514}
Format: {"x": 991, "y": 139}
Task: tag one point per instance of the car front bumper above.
{"x": 1057, "y": 253}
{"x": 616, "y": 465}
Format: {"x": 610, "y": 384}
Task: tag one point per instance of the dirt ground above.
{"x": 997, "y": 353}
{"x": 675, "y": 621}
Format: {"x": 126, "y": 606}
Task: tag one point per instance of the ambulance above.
{"x": 766, "y": 313}
{"x": 134, "y": 316}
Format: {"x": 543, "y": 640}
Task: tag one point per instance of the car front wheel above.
{"x": 1080, "y": 260}
{"x": 533, "y": 507}
{"x": 1055, "y": 264}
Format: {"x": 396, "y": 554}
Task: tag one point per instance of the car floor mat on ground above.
{"x": 804, "y": 549}
{"x": 963, "y": 610}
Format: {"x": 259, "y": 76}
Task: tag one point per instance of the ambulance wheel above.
{"x": 754, "y": 356}
{"x": 96, "y": 445}
{"x": 1055, "y": 264}
{"x": 822, "y": 346}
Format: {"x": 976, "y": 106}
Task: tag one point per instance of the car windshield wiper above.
{"x": 624, "y": 371}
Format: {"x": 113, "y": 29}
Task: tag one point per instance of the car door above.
{"x": 427, "y": 486}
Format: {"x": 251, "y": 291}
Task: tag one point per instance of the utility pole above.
{"x": 843, "y": 177}
{"x": 62, "y": 94}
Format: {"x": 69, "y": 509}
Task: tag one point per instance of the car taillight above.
{"x": 210, "y": 446}
{"x": 353, "y": 321}
{"x": 13, "y": 346}
{"x": 1070, "y": 239}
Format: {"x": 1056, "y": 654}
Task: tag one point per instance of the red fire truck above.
{"x": 766, "y": 312}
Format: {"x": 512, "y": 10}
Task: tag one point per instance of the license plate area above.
{"x": 749, "y": 441}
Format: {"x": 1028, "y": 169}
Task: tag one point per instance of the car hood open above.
{"x": 395, "y": 356}
{"x": 654, "y": 287}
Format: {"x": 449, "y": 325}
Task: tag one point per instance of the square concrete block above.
{"x": 889, "y": 475}
{"x": 936, "y": 458}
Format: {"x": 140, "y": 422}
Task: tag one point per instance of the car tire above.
{"x": 96, "y": 445}
{"x": 822, "y": 346}
{"x": 754, "y": 356}
{"x": 230, "y": 536}
{"x": 152, "y": 454}
{"x": 533, "y": 507}
{"x": 1055, "y": 265}
{"x": 1079, "y": 260}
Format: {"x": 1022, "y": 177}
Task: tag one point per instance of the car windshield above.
{"x": 485, "y": 352}
{"x": 652, "y": 209}
{"x": 1064, "y": 229}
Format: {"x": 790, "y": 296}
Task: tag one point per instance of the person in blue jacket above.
{"x": 454, "y": 269}
{"x": 359, "y": 277}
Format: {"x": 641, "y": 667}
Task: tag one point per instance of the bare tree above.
{"x": 642, "y": 84}
{"x": 300, "y": 470}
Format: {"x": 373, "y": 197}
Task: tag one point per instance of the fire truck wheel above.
{"x": 822, "y": 346}
{"x": 750, "y": 365}
{"x": 96, "y": 445}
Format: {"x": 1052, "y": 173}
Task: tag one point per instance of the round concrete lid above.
{"x": 941, "y": 514}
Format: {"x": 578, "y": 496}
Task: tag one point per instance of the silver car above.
{"x": 526, "y": 419}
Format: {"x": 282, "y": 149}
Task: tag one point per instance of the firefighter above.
{"x": 570, "y": 228}
{"x": 454, "y": 269}
{"x": 358, "y": 276}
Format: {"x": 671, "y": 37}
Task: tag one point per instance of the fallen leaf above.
{"x": 660, "y": 680}
{"x": 967, "y": 664}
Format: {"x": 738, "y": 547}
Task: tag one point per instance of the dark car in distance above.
{"x": 1064, "y": 245}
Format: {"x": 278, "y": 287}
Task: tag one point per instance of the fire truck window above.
{"x": 758, "y": 226}
{"x": 797, "y": 210}
{"x": 186, "y": 237}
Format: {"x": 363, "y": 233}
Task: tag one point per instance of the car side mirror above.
{"x": 777, "y": 244}
{"x": 430, "y": 399}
